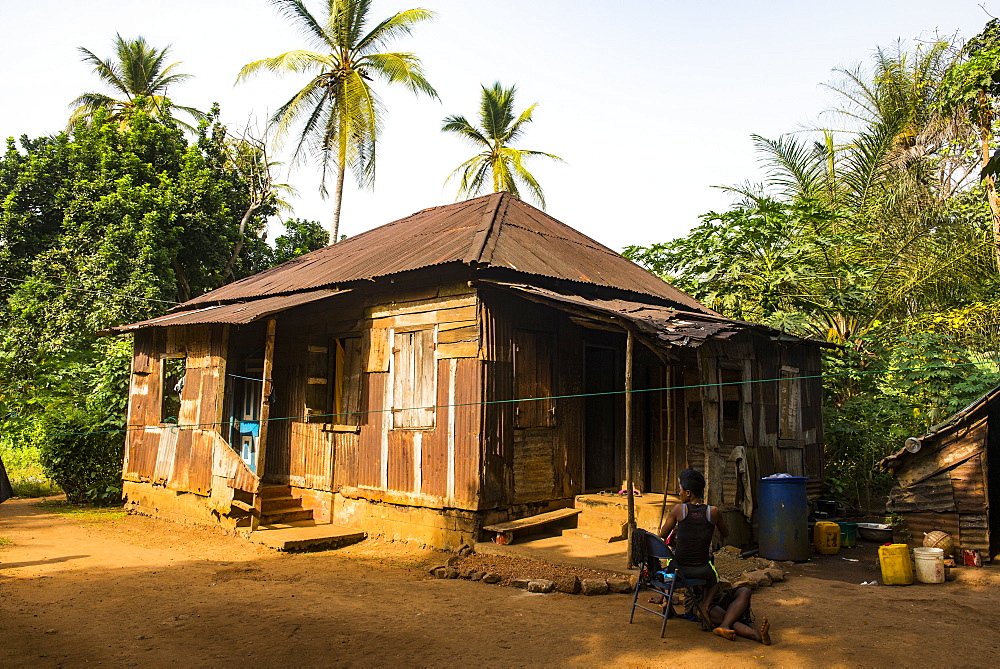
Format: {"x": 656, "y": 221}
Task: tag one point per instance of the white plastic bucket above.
{"x": 929, "y": 564}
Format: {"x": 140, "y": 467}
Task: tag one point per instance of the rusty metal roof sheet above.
{"x": 237, "y": 313}
{"x": 496, "y": 230}
{"x": 663, "y": 325}
{"x": 896, "y": 459}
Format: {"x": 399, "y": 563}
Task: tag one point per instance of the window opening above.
{"x": 173, "y": 372}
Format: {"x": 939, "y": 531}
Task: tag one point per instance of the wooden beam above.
{"x": 265, "y": 412}
{"x": 629, "y": 346}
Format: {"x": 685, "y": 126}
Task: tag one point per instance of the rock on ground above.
{"x": 594, "y": 586}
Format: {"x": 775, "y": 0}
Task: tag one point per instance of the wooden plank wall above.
{"x": 179, "y": 457}
{"x": 943, "y": 486}
{"x": 434, "y": 466}
{"x": 756, "y": 363}
{"x": 541, "y": 462}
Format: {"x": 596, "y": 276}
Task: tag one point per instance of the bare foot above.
{"x": 724, "y": 633}
{"x": 765, "y": 632}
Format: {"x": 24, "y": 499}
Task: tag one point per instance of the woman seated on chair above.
{"x": 693, "y": 525}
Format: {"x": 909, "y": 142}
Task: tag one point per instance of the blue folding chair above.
{"x": 659, "y": 579}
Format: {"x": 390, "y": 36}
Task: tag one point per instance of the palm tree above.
{"x": 138, "y": 74}
{"x": 338, "y": 113}
{"x": 498, "y": 163}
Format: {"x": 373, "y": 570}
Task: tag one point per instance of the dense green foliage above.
{"x": 111, "y": 224}
{"x": 876, "y": 238}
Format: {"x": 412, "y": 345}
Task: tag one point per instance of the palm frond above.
{"x": 495, "y": 110}
{"x": 791, "y": 165}
{"x": 297, "y": 14}
{"x": 290, "y": 61}
{"x": 515, "y": 130}
{"x": 399, "y": 68}
{"x": 461, "y": 126}
{"x": 515, "y": 158}
{"x": 397, "y": 25}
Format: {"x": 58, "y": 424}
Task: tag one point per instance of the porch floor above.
{"x": 566, "y": 550}
{"x": 297, "y": 536}
{"x": 593, "y": 543}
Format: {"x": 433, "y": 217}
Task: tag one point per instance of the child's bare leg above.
{"x": 747, "y": 632}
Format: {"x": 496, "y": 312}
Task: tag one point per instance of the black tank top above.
{"x": 694, "y": 537}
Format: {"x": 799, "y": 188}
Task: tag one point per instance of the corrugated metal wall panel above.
{"x": 370, "y": 442}
{"x": 468, "y": 428}
{"x": 974, "y": 531}
{"x": 312, "y": 453}
{"x": 933, "y": 494}
{"x": 434, "y": 443}
{"x": 967, "y": 482}
{"x": 401, "y": 460}
{"x": 345, "y": 470}
{"x": 919, "y": 524}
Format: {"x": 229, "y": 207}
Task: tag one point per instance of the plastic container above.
{"x": 784, "y": 518}
{"x": 848, "y": 534}
{"x": 897, "y": 568}
{"x": 929, "y": 564}
{"x": 826, "y": 538}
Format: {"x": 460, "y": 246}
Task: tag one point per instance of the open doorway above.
{"x": 601, "y": 424}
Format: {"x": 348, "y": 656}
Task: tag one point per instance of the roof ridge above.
{"x": 479, "y": 241}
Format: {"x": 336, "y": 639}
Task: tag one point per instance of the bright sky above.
{"x": 650, "y": 102}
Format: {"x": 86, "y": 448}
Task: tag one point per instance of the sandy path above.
{"x": 139, "y": 592}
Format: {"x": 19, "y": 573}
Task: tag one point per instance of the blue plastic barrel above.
{"x": 783, "y": 519}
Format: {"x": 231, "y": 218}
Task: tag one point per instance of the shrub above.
{"x": 85, "y": 458}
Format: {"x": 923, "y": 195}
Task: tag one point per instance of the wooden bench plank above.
{"x": 532, "y": 521}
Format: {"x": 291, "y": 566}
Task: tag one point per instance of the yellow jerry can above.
{"x": 826, "y": 538}
{"x": 897, "y": 567}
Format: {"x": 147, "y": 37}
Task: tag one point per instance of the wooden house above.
{"x": 459, "y": 367}
{"x": 944, "y": 479}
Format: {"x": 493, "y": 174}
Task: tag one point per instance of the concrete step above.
{"x": 271, "y": 517}
{"x": 306, "y": 535}
{"x": 286, "y": 502}
{"x": 594, "y": 535}
{"x": 272, "y": 491}
{"x": 601, "y": 523}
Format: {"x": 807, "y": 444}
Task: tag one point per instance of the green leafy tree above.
{"x": 301, "y": 237}
{"x": 139, "y": 76}
{"x": 107, "y": 226}
{"x": 972, "y": 89}
{"x": 337, "y": 115}
{"x": 875, "y": 237}
{"x": 499, "y": 164}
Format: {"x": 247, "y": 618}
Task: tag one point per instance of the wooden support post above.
{"x": 629, "y": 483}
{"x": 265, "y": 413}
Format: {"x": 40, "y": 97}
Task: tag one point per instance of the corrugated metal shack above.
{"x": 943, "y": 480}
{"x": 455, "y": 368}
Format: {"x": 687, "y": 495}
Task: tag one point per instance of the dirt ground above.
{"x": 132, "y": 591}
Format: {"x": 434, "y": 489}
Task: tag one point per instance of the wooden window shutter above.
{"x": 350, "y": 377}
{"x": 145, "y": 352}
{"x": 319, "y": 394}
{"x": 789, "y": 404}
{"x": 414, "y": 379}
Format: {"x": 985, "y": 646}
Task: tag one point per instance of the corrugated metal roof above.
{"x": 238, "y": 313}
{"x": 666, "y": 326}
{"x": 496, "y": 230}
{"x": 896, "y": 459}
